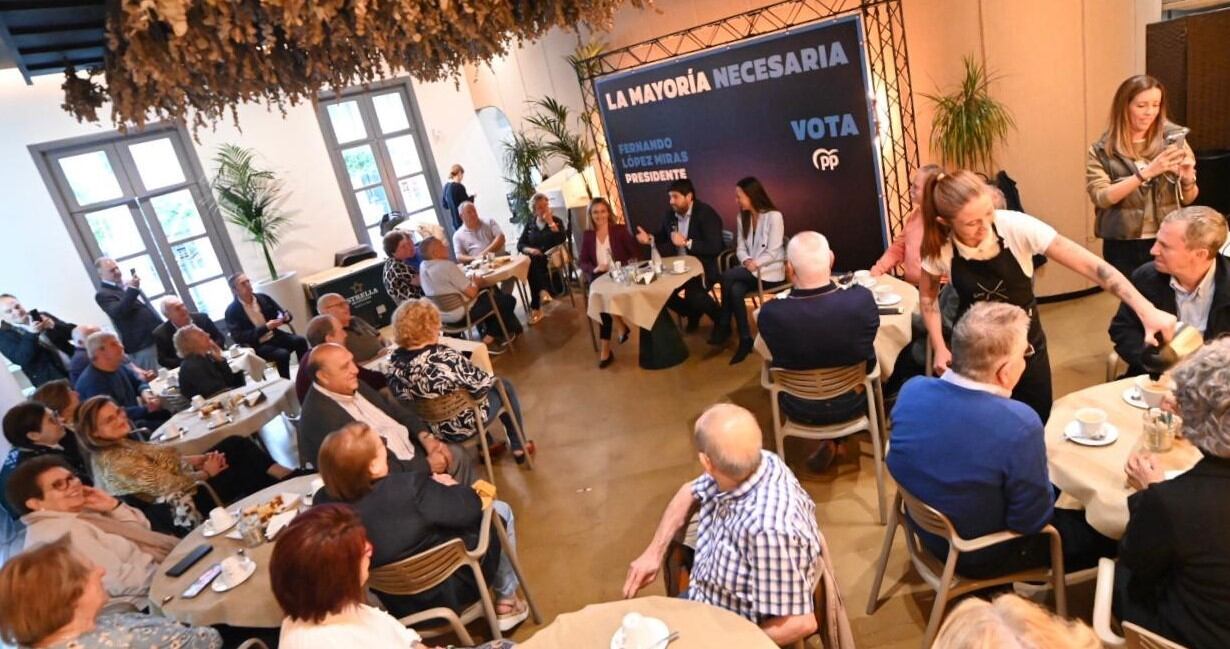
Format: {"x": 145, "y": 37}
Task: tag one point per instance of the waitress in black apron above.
{"x": 988, "y": 256}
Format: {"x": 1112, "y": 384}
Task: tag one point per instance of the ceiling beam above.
{"x": 28, "y": 5}
{"x": 60, "y": 47}
{"x": 6, "y": 43}
{"x": 55, "y": 66}
{"x": 29, "y": 30}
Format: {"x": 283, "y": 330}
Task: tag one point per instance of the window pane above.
{"x": 426, "y": 217}
{"x": 157, "y": 163}
{"x": 91, "y": 178}
{"x": 373, "y": 235}
{"x": 196, "y": 259}
{"x": 212, "y": 297}
{"x": 361, "y": 165}
{"x": 115, "y": 231}
{"x": 373, "y": 204}
{"x": 178, "y": 215}
{"x": 347, "y": 121}
{"x": 151, "y": 283}
{"x": 391, "y": 112}
{"x": 414, "y": 192}
{"x": 404, "y": 154}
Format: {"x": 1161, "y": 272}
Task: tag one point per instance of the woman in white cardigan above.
{"x": 112, "y": 535}
{"x": 761, "y": 242}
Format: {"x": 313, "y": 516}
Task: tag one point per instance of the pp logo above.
{"x": 825, "y": 159}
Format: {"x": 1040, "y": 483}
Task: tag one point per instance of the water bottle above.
{"x": 655, "y": 260}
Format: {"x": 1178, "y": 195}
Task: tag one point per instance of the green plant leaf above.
{"x": 249, "y": 198}
{"x": 968, "y": 123}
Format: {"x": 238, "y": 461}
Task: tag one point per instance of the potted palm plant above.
{"x": 552, "y": 117}
{"x": 250, "y": 198}
{"x": 969, "y": 122}
{"x": 523, "y": 159}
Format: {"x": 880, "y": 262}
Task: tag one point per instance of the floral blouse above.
{"x": 399, "y": 280}
{"x": 152, "y": 471}
{"x": 435, "y": 371}
{"x": 143, "y": 632}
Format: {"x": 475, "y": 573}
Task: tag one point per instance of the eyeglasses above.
{"x": 64, "y": 483}
{"x": 1029, "y": 350}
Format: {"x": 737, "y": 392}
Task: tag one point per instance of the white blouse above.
{"x": 359, "y": 626}
{"x": 603, "y": 250}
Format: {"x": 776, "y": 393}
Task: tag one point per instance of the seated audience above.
{"x": 443, "y": 277}
{"x": 1187, "y": 277}
{"x": 53, "y": 503}
{"x": 177, "y": 317}
{"x": 80, "y": 358}
{"x": 236, "y": 467}
{"x": 34, "y": 430}
{"x": 788, "y": 326}
{"x": 1010, "y": 621}
{"x": 760, "y": 242}
{"x": 752, "y": 508}
{"x": 476, "y": 237}
{"x": 326, "y": 329}
{"x": 401, "y": 267}
{"x": 63, "y": 401}
{"x": 109, "y": 375}
{"x": 906, "y": 249}
{"x": 408, "y": 513}
{"x": 204, "y": 371}
{"x": 964, "y": 447}
{"x": 690, "y": 227}
{"x": 319, "y": 566}
{"x": 130, "y": 311}
{"x": 338, "y": 397}
{"x": 255, "y": 320}
{"x": 40, "y": 346}
{"x": 538, "y": 237}
{"x": 601, "y": 246}
{"x": 51, "y": 598}
{"x": 1173, "y": 574}
{"x": 362, "y": 339}
{"x": 422, "y": 368}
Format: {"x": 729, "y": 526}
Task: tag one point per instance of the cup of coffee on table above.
{"x": 1092, "y": 422}
{"x": 1152, "y": 392}
{"x": 679, "y": 265}
{"x": 636, "y": 631}
{"x": 233, "y": 569}
{"x": 220, "y": 519}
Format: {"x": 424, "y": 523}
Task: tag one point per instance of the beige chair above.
{"x": 1113, "y": 365}
{"x": 560, "y": 263}
{"x": 451, "y": 301}
{"x": 942, "y": 577}
{"x": 761, "y": 291}
{"x": 1134, "y": 637}
{"x": 450, "y": 406}
{"x": 430, "y": 568}
{"x": 823, "y": 384}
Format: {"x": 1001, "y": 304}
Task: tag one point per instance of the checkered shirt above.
{"x": 757, "y": 550}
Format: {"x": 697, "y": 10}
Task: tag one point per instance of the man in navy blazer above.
{"x": 254, "y": 320}
{"x": 34, "y": 343}
{"x": 178, "y": 317}
{"x": 690, "y": 228}
{"x": 130, "y": 311}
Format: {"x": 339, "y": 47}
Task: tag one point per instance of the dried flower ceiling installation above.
{"x": 199, "y": 59}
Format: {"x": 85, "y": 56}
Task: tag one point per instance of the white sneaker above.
{"x": 509, "y": 621}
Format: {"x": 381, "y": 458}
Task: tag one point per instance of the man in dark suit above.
{"x": 178, "y": 317}
{"x": 337, "y": 397}
{"x": 130, "y": 312}
{"x": 819, "y": 326}
{"x": 254, "y": 321}
{"x": 41, "y": 346}
{"x": 1187, "y": 277}
{"x": 690, "y": 228}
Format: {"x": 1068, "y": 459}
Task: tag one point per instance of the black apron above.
{"x": 1001, "y": 279}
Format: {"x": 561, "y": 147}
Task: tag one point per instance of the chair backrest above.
{"x": 925, "y": 516}
{"x": 421, "y": 572}
{"x": 449, "y": 301}
{"x": 820, "y": 384}
{"x": 445, "y": 408}
{"x": 1141, "y": 638}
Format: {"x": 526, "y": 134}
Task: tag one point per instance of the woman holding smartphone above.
{"x": 1138, "y": 172}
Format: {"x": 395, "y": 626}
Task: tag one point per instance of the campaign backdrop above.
{"x": 790, "y": 108}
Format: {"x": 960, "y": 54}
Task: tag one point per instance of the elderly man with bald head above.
{"x": 362, "y": 338}
{"x": 441, "y": 276}
{"x": 791, "y": 328}
{"x": 177, "y": 317}
{"x": 758, "y": 546}
{"x": 476, "y": 237}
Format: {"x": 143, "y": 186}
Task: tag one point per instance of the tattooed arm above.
{"x": 1066, "y": 252}
{"x": 929, "y": 289}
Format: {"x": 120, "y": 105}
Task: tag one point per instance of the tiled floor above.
{"x": 614, "y": 446}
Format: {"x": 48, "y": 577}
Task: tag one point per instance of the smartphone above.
{"x": 190, "y": 560}
{"x": 202, "y": 581}
{"x": 35, "y": 316}
{"x": 1177, "y": 137}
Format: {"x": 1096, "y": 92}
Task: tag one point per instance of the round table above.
{"x": 199, "y": 437}
{"x": 700, "y": 626}
{"x": 642, "y": 305}
{"x": 250, "y": 604}
{"x": 516, "y": 267}
{"x": 245, "y": 361}
{"x": 1092, "y": 476}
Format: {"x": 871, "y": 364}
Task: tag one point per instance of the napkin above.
{"x": 279, "y": 521}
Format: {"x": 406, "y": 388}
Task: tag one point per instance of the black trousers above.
{"x": 246, "y": 473}
{"x": 539, "y": 279}
{"x": 507, "y": 305}
{"x": 277, "y": 350}
{"x": 695, "y": 302}
{"x": 737, "y": 282}
{"x": 1034, "y": 388}
{"x": 1126, "y": 255}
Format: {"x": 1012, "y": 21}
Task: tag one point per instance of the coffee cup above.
{"x": 233, "y": 569}
{"x": 636, "y": 632}
{"x": 220, "y": 519}
{"x": 1092, "y": 422}
{"x": 1152, "y": 392}
{"x": 679, "y": 265}
{"x": 198, "y": 401}
{"x": 314, "y": 486}
{"x": 218, "y": 417}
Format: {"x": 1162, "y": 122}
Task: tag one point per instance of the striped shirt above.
{"x": 757, "y": 550}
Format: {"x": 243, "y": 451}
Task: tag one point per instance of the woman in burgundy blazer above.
{"x": 603, "y": 243}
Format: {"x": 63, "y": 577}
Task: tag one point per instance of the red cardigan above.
{"x": 623, "y": 248}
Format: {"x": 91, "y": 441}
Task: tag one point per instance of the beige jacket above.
{"x": 1146, "y": 205}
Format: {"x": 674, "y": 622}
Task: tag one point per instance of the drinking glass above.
{"x": 1160, "y": 429}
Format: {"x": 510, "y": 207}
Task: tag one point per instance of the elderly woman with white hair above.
{"x": 539, "y": 236}
{"x": 1174, "y": 559}
{"x": 203, "y": 370}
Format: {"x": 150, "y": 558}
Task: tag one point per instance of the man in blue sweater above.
{"x": 110, "y": 374}
{"x": 964, "y": 447}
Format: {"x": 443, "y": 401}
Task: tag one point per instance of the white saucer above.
{"x": 208, "y": 531}
{"x": 1072, "y": 433}
{"x": 1132, "y": 396}
{"x": 887, "y": 299}
{"x": 658, "y": 632}
{"x": 220, "y": 586}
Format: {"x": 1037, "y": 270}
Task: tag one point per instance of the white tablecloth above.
{"x": 247, "y": 420}
{"x": 639, "y": 304}
{"x": 245, "y": 361}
